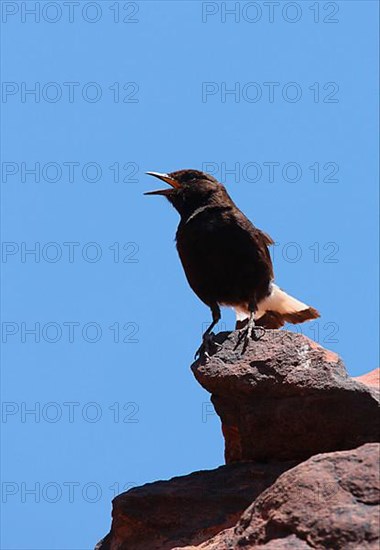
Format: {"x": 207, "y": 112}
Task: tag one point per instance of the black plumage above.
{"x": 225, "y": 257}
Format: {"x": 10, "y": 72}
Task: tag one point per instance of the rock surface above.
{"x": 188, "y": 509}
{"x": 302, "y": 466}
{"x": 285, "y": 398}
{"x": 329, "y": 501}
{"x": 371, "y": 378}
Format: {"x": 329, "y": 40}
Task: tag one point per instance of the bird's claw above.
{"x": 248, "y": 333}
{"x": 205, "y": 348}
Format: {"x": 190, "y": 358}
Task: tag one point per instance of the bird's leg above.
{"x": 254, "y": 330}
{"x": 207, "y": 337}
{"x": 251, "y": 330}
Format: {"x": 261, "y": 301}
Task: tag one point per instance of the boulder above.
{"x": 302, "y": 463}
{"x": 285, "y": 398}
{"x": 331, "y": 501}
{"x": 188, "y": 509}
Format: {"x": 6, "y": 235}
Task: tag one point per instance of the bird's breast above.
{"x": 221, "y": 263}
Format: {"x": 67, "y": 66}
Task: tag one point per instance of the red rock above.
{"x": 285, "y": 398}
{"x": 371, "y": 378}
{"x": 188, "y": 509}
{"x": 283, "y": 401}
{"x": 331, "y": 501}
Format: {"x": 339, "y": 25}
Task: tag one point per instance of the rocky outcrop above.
{"x": 302, "y": 462}
{"x": 187, "y": 509}
{"x": 371, "y": 379}
{"x": 329, "y": 501}
{"x": 285, "y": 398}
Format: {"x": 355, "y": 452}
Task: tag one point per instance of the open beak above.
{"x": 167, "y": 179}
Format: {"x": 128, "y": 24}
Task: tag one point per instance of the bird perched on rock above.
{"x": 226, "y": 258}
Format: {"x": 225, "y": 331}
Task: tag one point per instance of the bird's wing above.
{"x": 260, "y": 240}
{"x": 247, "y": 225}
{"x": 266, "y": 238}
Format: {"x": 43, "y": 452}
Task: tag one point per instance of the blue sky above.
{"x": 282, "y": 107}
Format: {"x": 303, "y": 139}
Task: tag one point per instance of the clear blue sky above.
{"x": 115, "y": 413}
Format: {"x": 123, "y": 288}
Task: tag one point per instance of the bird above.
{"x": 226, "y": 258}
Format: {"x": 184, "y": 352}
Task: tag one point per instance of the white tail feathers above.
{"x": 277, "y": 309}
{"x": 280, "y": 302}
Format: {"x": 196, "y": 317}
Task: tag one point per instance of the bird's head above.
{"x": 191, "y": 189}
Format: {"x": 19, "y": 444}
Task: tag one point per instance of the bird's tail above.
{"x": 277, "y": 309}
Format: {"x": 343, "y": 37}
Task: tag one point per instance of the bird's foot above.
{"x": 249, "y": 333}
{"x": 208, "y": 344}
